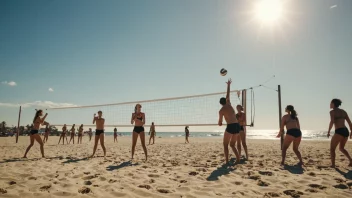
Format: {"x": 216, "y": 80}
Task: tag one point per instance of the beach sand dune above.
{"x": 174, "y": 169}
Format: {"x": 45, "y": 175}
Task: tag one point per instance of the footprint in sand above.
{"x": 145, "y": 186}
{"x": 87, "y": 183}
{"x": 183, "y": 181}
{"x": 32, "y": 178}
{"x": 12, "y": 182}
{"x": 112, "y": 181}
{"x": 341, "y": 186}
{"x": 3, "y": 191}
{"x": 339, "y": 180}
{"x": 86, "y": 173}
{"x": 268, "y": 173}
{"x": 311, "y": 190}
{"x": 151, "y": 181}
{"x": 312, "y": 174}
{"x": 349, "y": 184}
{"x": 44, "y": 188}
{"x": 193, "y": 173}
{"x": 84, "y": 190}
{"x": 153, "y": 175}
{"x": 271, "y": 194}
{"x": 262, "y": 183}
{"x": 293, "y": 193}
{"x": 254, "y": 177}
{"x": 317, "y": 186}
{"x": 164, "y": 191}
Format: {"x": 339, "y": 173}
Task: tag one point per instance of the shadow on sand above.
{"x": 347, "y": 175}
{"x": 75, "y": 160}
{"x": 295, "y": 169}
{"x": 122, "y": 165}
{"x": 223, "y": 170}
{"x": 26, "y": 159}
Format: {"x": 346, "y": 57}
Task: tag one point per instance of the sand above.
{"x": 174, "y": 169}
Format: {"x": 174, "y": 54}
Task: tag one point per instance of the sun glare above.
{"x": 269, "y": 11}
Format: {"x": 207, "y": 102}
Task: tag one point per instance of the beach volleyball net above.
{"x": 196, "y": 110}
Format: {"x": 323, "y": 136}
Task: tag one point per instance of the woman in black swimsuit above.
{"x": 186, "y": 135}
{"x": 37, "y": 121}
{"x": 293, "y": 134}
{"x": 73, "y": 130}
{"x": 338, "y": 117}
{"x": 80, "y": 134}
{"x": 63, "y": 135}
{"x": 138, "y": 119}
{"x": 241, "y": 139}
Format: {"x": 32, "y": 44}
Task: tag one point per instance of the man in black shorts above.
{"x": 233, "y": 128}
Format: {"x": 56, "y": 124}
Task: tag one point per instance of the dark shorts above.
{"x": 80, "y": 134}
{"x": 138, "y": 129}
{"x": 233, "y": 128}
{"x": 34, "y": 132}
{"x": 294, "y": 132}
{"x": 98, "y": 132}
{"x": 343, "y": 132}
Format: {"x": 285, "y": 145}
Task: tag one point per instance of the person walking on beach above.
{"x": 152, "y": 133}
{"x": 115, "y": 134}
{"x": 90, "y": 133}
{"x": 241, "y": 139}
{"x": 73, "y": 130}
{"x": 99, "y": 132}
{"x": 338, "y": 117}
{"x": 46, "y": 134}
{"x": 293, "y": 134}
{"x": 186, "y": 135}
{"x": 80, "y": 134}
{"x": 138, "y": 119}
{"x": 232, "y": 128}
{"x": 33, "y": 135}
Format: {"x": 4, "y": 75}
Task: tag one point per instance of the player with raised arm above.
{"x": 99, "y": 133}
{"x": 33, "y": 135}
{"x": 233, "y": 128}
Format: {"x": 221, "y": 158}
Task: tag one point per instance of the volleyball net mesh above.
{"x": 199, "y": 110}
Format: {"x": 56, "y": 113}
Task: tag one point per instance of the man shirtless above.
{"x": 99, "y": 133}
{"x": 233, "y": 128}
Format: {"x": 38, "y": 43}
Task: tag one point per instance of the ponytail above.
{"x": 36, "y": 115}
{"x": 292, "y": 111}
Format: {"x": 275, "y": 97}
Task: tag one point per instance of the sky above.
{"x": 84, "y": 52}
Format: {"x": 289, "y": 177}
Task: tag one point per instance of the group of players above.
{"x": 235, "y": 132}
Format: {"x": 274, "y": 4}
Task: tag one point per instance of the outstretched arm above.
{"x": 228, "y": 90}
{"x": 43, "y": 119}
{"x": 94, "y": 119}
{"x": 220, "y": 118}
{"x": 331, "y": 122}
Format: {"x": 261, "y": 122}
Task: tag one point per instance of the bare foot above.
{"x": 332, "y": 166}
{"x": 24, "y": 156}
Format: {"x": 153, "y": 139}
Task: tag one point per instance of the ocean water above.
{"x": 251, "y": 134}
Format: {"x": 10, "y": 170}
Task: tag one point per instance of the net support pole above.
{"x": 18, "y": 124}
{"x": 280, "y": 114}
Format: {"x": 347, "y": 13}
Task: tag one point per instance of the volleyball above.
{"x": 223, "y": 72}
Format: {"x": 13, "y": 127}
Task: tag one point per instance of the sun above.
{"x": 269, "y": 12}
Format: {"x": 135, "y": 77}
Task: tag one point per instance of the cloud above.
{"x": 334, "y": 6}
{"x": 40, "y": 104}
{"x": 51, "y": 89}
{"x": 11, "y": 83}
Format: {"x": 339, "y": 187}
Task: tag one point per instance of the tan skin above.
{"x": 293, "y": 124}
{"x": 186, "y": 135}
{"x": 115, "y": 135}
{"x": 152, "y": 133}
{"x": 228, "y": 112}
{"x": 80, "y": 134}
{"x": 338, "y": 139}
{"x": 63, "y": 135}
{"x": 241, "y": 139}
{"x": 36, "y": 125}
{"x": 135, "y": 135}
{"x": 73, "y": 130}
{"x": 100, "y": 122}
